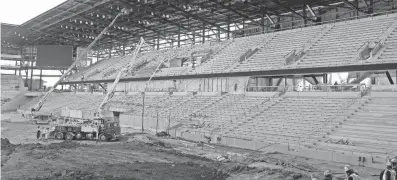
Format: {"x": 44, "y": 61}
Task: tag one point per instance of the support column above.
{"x": 124, "y": 50}
{"x": 304, "y": 15}
{"x": 179, "y": 36}
{"x": 356, "y": 4}
{"x": 389, "y": 77}
{"x": 294, "y": 81}
{"x": 263, "y": 19}
{"x": 41, "y": 78}
{"x": 15, "y": 71}
{"x": 194, "y": 38}
{"x": 219, "y": 34}
{"x": 203, "y": 41}
{"x": 31, "y": 73}
{"x": 158, "y": 42}
{"x": 110, "y": 52}
{"x": 325, "y": 79}
{"x": 228, "y": 27}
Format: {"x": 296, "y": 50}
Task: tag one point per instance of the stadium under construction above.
{"x": 306, "y": 78}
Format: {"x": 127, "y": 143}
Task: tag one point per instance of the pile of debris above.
{"x": 5, "y": 142}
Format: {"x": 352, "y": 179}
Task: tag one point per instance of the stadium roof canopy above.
{"x": 78, "y": 22}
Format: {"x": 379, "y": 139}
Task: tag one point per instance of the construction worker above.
{"x": 394, "y": 164}
{"x": 327, "y": 175}
{"x": 312, "y": 177}
{"x": 351, "y": 175}
{"x": 38, "y": 133}
{"x": 388, "y": 173}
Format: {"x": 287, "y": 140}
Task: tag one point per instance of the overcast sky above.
{"x": 20, "y": 11}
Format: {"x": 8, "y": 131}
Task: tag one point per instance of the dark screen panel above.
{"x": 54, "y": 55}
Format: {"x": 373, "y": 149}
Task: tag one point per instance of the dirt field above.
{"x": 143, "y": 156}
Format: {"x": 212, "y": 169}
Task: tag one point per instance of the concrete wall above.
{"x": 149, "y": 123}
{"x": 323, "y": 94}
{"x": 321, "y": 154}
{"x": 227, "y": 84}
{"x": 383, "y": 94}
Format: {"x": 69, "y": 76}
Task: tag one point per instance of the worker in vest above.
{"x": 388, "y": 173}
{"x": 327, "y": 175}
{"x": 394, "y": 165}
{"x": 351, "y": 175}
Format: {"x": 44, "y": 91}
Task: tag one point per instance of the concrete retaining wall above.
{"x": 383, "y": 94}
{"x": 327, "y": 155}
{"x": 323, "y": 94}
{"x": 265, "y": 94}
{"x": 149, "y": 123}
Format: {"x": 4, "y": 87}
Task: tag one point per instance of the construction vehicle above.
{"x": 40, "y": 118}
{"x": 97, "y": 129}
{"x": 38, "y": 106}
{"x": 70, "y": 129}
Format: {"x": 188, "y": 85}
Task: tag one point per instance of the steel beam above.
{"x": 195, "y": 16}
{"x": 235, "y": 11}
{"x": 389, "y": 77}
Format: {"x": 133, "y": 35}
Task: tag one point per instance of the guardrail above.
{"x": 258, "y": 30}
{"x": 264, "y": 89}
{"x": 325, "y": 88}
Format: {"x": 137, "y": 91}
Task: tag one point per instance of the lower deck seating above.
{"x": 372, "y": 129}
{"x": 291, "y": 119}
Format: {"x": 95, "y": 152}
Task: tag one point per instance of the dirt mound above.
{"x": 55, "y": 146}
{"x": 5, "y": 142}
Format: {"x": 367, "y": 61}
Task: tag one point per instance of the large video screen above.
{"x": 54, "y": 55}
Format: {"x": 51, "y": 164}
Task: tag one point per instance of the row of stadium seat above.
{"x": 371, "y": 129}
{"x": 309, "y": 121}
{"x": 334, "y": 44}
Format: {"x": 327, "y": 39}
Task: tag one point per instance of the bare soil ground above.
{"x": 143, "y": 156}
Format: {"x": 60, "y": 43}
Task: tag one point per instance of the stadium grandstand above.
{"x": 312, "y": 78}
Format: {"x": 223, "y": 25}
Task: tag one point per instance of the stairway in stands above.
{"x": 370, "y": 129}
{"x": 389, "y": 53}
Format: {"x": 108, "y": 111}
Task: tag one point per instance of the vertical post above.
{"x": 203, "y": 41}
{"x": 228, "y": 27}
{"x": 31, "y": 70}
{"x": 356, "y": 4}
{"x": 41, "y": 78}
{"x": 219, "y": 34}
{"x": 263, "y": 18}
{"x": 194, "y": 38}
{"x": 110, "y": 52}
{"x": 158, "y": 42}
{"x": 143, "y": 108}
{"x": 304, "y": 15}
{"x": 157, "y": 123}
{"x": 15, "y": 70}
{"x": 179, "y": 36}
{"x": 124, "y": 50}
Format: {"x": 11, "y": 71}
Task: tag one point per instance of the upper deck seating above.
{"x": 230, "y": 54}
{"x": 334, "y": 44}
{"x": 272, "y": 55}
{"x": 341, "y": 44}
{"x": 388, "y": 54}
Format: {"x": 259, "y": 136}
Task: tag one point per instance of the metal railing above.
{"x": 264, "y": 89}
{"x": 257, "y": 30}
